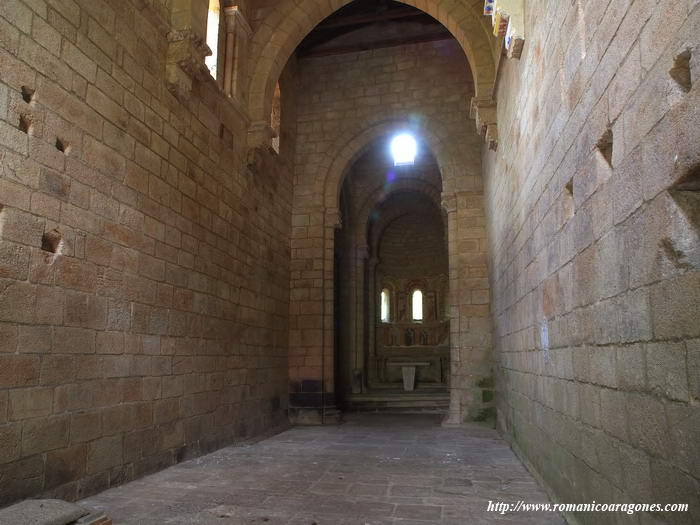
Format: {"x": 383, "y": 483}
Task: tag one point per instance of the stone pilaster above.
{"x": 238, "y": 33}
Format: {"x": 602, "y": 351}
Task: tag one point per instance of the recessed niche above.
{"x": 690, "y": 182}
{"x": 51, "y": 241}
{"x": 686, "y": 193}
{"x": 673, "y": 254}
{"x": 27, "y": 94}
{"x": 568, "y": 196}
{"x": 605, "y": 146}
{"x": 62, "y": 146}
{"x": 25, "y": 123}
{"x": 680, "y": 72}
{"x": 570, "y": 187}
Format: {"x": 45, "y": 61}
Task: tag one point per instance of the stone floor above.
{"x": 370, "y": 470}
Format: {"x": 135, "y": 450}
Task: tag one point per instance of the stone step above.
{"x": 403, "y": 403}
{"x": 398, "y": 410}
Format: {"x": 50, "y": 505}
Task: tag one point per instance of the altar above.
{"x": 408, "y": 370}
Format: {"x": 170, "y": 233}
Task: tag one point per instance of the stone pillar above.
{"x": 469, "y": 314}
{"x": 332, "y": 223}
{"x": 361, "y": 319}
{"x": 370, "y": 365}
{"x": 454, "y": 415}
{"x": 311, "y": 341}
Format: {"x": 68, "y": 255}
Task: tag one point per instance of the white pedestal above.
{"x": 408, "y": 370}
{"x": 409, "y": 377}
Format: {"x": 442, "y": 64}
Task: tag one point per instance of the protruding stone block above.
{"x": 485, "y": 114}
{"x": 42, "y": 512}
{"x": 185, "y": 61}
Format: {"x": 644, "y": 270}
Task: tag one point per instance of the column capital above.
{"x": 185, "y": 61}
{"x": 449, "y": 202}
{"x": 235, "y": 20}
{"x": 260, "y": 133}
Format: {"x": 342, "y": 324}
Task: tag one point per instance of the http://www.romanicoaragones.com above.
{"x": 503, "y": 507}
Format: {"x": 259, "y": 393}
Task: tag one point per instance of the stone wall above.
{"x": 345, "y": 103}
{"x": 595, "y": 254}
{"x": 413, "y": 246}
{"x": 409, "y": 241}
{"x": 144, "y": 270}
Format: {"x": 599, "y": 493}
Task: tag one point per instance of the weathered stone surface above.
{"x": 693, "y": 347}
{"x": 195, "y": 275}
{"x": 627, "y": 270}
{"x": 666, "y": 370}
{"x": 42, "y": 512}
{"x": 355, "y": 473}
{"x": 41, "y": 435}
{"x": 104, "y": 453}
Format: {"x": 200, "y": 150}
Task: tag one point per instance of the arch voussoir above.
{"x": 292, "y": 20}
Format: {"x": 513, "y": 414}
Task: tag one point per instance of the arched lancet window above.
{"x": 417, "y": 305}
{"x": 213, "y": 19}
{"x": 385, "y": 308}
{"x": 276, "y": 118}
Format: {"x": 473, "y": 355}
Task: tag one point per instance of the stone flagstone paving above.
{"x": 373, "y": 469}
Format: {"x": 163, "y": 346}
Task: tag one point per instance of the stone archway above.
{"x": 415, "y": 185}
{"x": 311, "y": 309}
{"x": 291, "y": 20}
{"x": 363, "y": 261}
{"x": 350, "y": 146}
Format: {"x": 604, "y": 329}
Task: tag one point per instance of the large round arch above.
{"x": 291, "y": 20}
{"x": 319, "y": 208}
{"x": 351, "y": 144}
{"x": 378, "y": 196}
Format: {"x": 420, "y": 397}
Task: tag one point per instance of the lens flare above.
{"x": 403, "y": 149}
